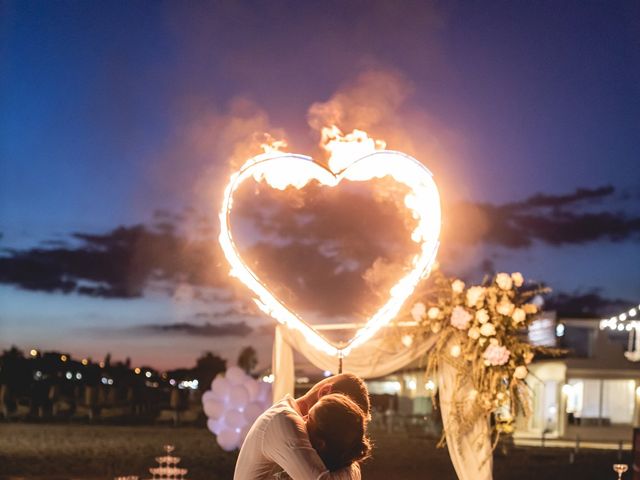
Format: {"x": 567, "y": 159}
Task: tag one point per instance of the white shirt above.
{"x": 278, "y": 440}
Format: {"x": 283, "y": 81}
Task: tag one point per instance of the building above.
{"x": 591, "y": 395}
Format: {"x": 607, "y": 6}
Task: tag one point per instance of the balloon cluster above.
{"x": 233, "y": 404}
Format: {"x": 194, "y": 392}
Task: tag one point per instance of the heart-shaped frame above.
{"x": 281, "y": 170}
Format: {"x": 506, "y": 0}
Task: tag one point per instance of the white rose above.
{"x": 455, "y": 351}
{"x": 433, "y": 313}
{"x": 504, "y": 281}
{"x": 505, "y": 307}
{"x": 418, "y": 311}
{"x": 474, "y": 333}
{"x": 488, "y": 329}
{"x": 475, "y": 296}
{"x": 520, "y": 372}
{"x": 517, "y": 278}
{"x": 482, "y": 316}
{"x": 457, "y": 286}
{"x": 518, "y": 315}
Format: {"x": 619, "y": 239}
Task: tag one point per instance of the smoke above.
{"x": 369, "y": 102}
{"x": 209, "y": 145}
{"x": 378, "y": 100}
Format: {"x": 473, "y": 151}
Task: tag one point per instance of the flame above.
{"x": 344, "y": 149}
{"x": 355, "y": 157}
{"x": 271, "y": 145}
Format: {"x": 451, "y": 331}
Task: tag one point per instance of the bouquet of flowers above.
{"x": 482, "y": 333}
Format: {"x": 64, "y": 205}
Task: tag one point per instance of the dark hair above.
{"x": 340, "y": 424}
{"x": 353, "y": 387}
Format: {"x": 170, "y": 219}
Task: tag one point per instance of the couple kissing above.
{"x": 321, "y": 435}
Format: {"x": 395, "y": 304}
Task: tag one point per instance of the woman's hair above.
{"x": 353, "y": 387}
{"x": 337, "y": 430}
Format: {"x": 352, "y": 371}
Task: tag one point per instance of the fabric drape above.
{"x": 471, "y": 452}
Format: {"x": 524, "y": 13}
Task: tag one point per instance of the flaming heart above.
{"x": 281, "y": 170}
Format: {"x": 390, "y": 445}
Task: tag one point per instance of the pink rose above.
{"x": 496, "y": 355}
{"x": 460, "y": 318}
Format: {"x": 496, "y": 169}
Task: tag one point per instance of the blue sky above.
{"x": 111, "y": 111}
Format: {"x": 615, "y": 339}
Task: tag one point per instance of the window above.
{"x": 600, "y": 402}
{"x": 618, "y": 400}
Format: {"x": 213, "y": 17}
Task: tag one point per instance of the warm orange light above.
{"x": 85, "y": 361}
{"x": 355, "y": 157}
{"x": 63, "y": 358}
{"x": 137, "y": 371}
{"x": 33, "y": 352}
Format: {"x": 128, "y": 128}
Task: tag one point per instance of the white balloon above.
{"x": 238, "y": 396}
{"x": 234, "y": 419}
{"x": 220, "y": 388}
{"x": 215, "y": 380}
{"x": 253, "y": 411}
{"x": 265, "y": 392}
{"x": 229, "y": 439}
{"x": 252, "y": 387}
{"x": 244, "y": 432}
{"x": 235, "y": 375}
{"x": 208, "y": 395}
{"x": 214, "y": 409}
{"x": 216, "y": 426}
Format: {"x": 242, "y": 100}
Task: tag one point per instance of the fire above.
{"x": 343, "y": 149}
{"x": 271, "y": 145}
{"x": 355, "y": 157}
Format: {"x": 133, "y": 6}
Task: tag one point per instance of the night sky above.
{"x": 120, "y": 122}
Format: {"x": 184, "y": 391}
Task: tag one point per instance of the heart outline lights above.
{"x": 281, "y": 170}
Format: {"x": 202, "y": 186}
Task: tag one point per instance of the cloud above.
{"x": 227, "y": 329}
{"x": 227, "y": 313}
{"x": 576, "y": 218}
{"x": 117, "y": 264}
{"x": 586, "y": 304}
{"x": 328, "y": 252}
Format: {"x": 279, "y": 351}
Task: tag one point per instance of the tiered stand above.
{"x": 167, "y": 468}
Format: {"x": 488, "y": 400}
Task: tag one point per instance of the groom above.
{"x": 278, "y": 440}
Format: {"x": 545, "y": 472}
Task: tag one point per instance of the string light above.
{"x": 622, "y": 322}
{"x": 282, "y": 170}
{"x": 617, "y": 322}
